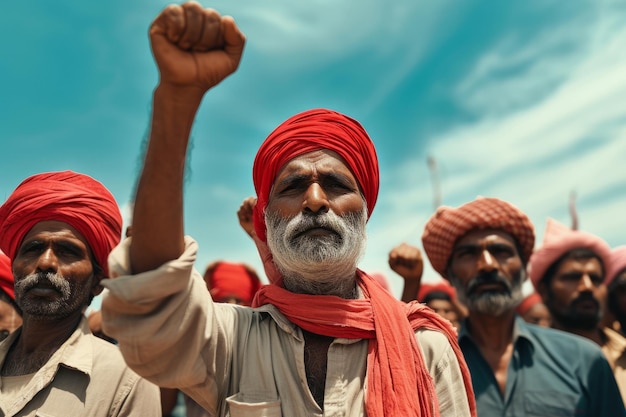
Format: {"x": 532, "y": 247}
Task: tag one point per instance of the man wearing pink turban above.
{"x": 57, "y": 229}
{"x": 482, "y": 247}
{"x": 325, "y": 337}
{"x": 571, "y": 270}
{"x": 616, "y": 283}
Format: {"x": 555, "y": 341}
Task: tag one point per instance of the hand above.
{"x": 406, "y": 260}
{"x": 195, "y": 47}
{"x": 245, "y": 216}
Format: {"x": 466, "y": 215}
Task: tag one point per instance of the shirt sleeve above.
{"x": 445, "y": 370}
{"x": 167, "y": 326}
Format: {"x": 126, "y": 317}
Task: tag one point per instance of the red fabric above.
{"x": 398, "y": 382}
{"x": 310, "y": 131}
{"x": 528, "y": 302}
{"x": 6, "y": 276}
{"x": 440, "y": 286}
{"x": 449, "y": 224}
{"x": 559, "y": 239}
{"x": 618, "y": 263}
{"x": 229, "y": 279}
{"x": 69, "y": 197}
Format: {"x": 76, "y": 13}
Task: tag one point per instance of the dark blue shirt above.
{"x": 551, "y": 373}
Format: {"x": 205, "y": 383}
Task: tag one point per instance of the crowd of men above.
{"x": 323, "y": 338}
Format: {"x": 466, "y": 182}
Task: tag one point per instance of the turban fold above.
{"x": 227, "y": 279}
{"x": 6, "y": 276}
{"x": 309, "y": 131}
{"x": 69, "y": 197}
{"x": 618, "y": 263}
{"x": 440, "y": 287}
{"x": 559, "y": 239}
{"x": 449, "y": 224}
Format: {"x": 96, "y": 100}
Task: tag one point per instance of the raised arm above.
{"x": 194, "y": 49}
{"x": 406, "y": 261}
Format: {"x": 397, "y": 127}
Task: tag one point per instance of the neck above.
{"x": 493, "y": 332}
{"x": 344, "y": 287}
{"x": 36, "y": 343}
{"x": 593, "y": 334}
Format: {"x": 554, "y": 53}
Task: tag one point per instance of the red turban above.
{"x": 310, "y": 131}
{"x": 69, "y": 197}
{"x": 449, "y": 224}
{"x": 440, "y": 286}
{"x": 6, "y": 276}
{"x": 559, "y": 239}
{"x": 528, "y": 302}
{"x": 227, "y": 279}
{"x": 618, "y": 263}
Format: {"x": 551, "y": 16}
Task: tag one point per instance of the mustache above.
{"x": 585, "y": 297}
{"x": 306, "y": 222}
{"x": 42, "y": 279}
{"x": 488, "y": 278}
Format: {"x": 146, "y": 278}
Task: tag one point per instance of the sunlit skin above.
{"x": 575, "y": 278}
{"x": 538, "y": 314}
{"x": 315, "y": 183}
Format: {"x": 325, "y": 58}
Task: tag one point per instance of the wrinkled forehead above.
{"x": 486, "y": 236}
{"x": 58, "y": 229}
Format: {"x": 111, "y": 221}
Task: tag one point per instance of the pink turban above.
{"x": 618, "y": 263}
{"x": 69, "y": 197}
{"x": 559, "y": 239}
{"x": 6, "y": 276}
{"x": 309, "y": 131}
{"x": 448, "y": 225}
{"x": 227, "y": 279}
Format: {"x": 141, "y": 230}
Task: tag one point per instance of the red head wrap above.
{"x": 449, "y": 224}
{"x": 227, "y": 279}
{"x": 69, "y": 197}
{"x": 618, "y": 263}
{"x": 6, "y": 276}
{"x": 559, "y": 239}
{"x": 528, "y": 302}
{"x": 310, "y": 131}
{"x": 440, "y": 286}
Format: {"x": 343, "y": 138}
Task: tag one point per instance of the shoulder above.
{"x": 436, "y": 349}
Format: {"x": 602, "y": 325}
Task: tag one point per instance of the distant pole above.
{"x": 572, "y": 210}
{"x": 434, "y": 175}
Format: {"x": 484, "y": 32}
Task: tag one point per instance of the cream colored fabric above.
{"x": 238, "y": 361}
{"x": 86, "y": 376}
{"x": 615, "y": 351}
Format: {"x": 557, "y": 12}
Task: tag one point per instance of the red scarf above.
{"x": 392, "y": 374}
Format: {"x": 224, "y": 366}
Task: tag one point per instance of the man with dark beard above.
{"x": 570, "y": 271}
{"x": 58, "y": 229}
{"x": 324, "y": 338}
{"x": 517, "y": 368}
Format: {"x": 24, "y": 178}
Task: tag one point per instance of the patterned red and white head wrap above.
{"x": 313, "y": 130}
{"x": 559, "y": 239}
{"x": 448, "y": 225}
{"x": 69, "y": 197}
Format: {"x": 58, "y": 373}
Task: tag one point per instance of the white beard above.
{"x": 318, "y": 264}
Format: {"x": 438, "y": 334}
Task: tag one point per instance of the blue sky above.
{"x": 518, "y": 100}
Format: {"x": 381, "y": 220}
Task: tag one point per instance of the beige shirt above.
{"x": 615, "y": 351}
{"x": 239, "y": 361}
{"x": 86, "y": 376}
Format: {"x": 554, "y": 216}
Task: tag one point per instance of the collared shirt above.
{"x": 86, "y": 376}
{"x": 239, "y": 361}
{"x": 551, "y": 373}
{"x": 615, "y": 351}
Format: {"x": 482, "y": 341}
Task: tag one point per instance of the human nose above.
{"x": 315, "y": 199}
{"x": 47, "y": 261}
{"x": 486, "y": 262}
{"x": 585, "y": 283}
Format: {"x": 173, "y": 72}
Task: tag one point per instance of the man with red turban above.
{"x": 57, "y": 229}
{"x": 517, "y": 368}
{"x": 571, "y": 270}
{"x": 325, "y": 338}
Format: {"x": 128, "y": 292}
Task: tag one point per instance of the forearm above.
{"x": 158, "y": 228}
{"x": 410, "y": 290}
